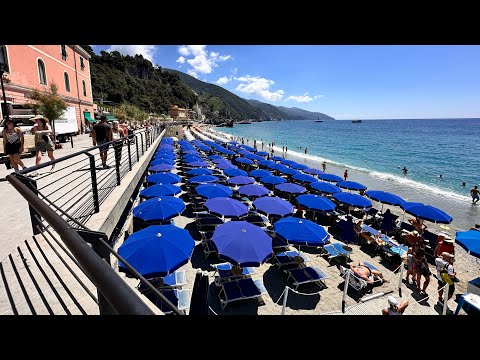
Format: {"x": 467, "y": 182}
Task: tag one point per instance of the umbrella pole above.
{"x": 285, "y": 296}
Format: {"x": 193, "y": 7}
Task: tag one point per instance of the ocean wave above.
{"x": 379, "y": 175}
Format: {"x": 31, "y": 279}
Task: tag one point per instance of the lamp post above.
{"x": 3, "y": 69}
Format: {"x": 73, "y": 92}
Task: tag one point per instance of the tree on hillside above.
{"x": 49, "y": 104}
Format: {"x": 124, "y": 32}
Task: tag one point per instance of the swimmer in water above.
{"x": 464, "y": 184}
{"x": 405, "y": 170}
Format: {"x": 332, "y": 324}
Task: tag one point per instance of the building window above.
{"x": 64, "y": 52}
{"x": 82, "y": 65}
{"x": 84, "y": 88}
{"x": 42, "y": 75}
{"x": 67, "y": 82}
{"x": 4, "y": 59}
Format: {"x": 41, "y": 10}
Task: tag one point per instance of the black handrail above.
{"x": 121, "y": 297}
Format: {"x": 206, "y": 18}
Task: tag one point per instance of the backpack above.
{"x": 444, "y": 275}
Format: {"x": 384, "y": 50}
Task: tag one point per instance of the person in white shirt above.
{"x": 394, "y": 308}
{"x": 445, "y": 274}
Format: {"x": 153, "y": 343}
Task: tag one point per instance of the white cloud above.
{"x": 146, "y": 50}
{"x": 223, "y": 80}
{"x": 201, "y": 60}
{"x": 258, "y": 86}
{"x": 192, "y": 73}
{"x": 303, "y": 98}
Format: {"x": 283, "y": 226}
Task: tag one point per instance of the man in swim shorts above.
{"x": 475, "y": 194}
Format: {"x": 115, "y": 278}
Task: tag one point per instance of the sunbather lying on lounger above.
{"x": 367, "y": 274}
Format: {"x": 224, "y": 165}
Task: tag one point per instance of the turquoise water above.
{"x": 375, "y": 151}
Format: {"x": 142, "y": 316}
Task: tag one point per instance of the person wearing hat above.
{"x": 445, "y": 274}
{"x": 13, "y": 143}
{"x": 394, "y": 308}
{"x": 445, "y": 244}
{"x": 43, "y": 139}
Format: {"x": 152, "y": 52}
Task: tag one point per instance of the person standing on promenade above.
{"x": 102, "y": 135}
{"x": 13, "y": 143}
{"x": 324, "y": 166}
{"x": 118, "y": 136}
{"x": 43, "y": 139}
{"x": 345, "y": 174}
{"x": 474, "y": 193}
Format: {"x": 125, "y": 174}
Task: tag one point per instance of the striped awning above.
{"x": 86, "y": 115}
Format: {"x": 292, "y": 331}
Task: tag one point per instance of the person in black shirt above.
{"x": 102, "y": 135}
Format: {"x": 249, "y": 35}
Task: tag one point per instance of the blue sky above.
{"x": 345, "y": 81}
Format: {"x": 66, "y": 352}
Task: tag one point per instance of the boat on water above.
{"x": 356, "y": 121}
{"x": 318, "y": 120}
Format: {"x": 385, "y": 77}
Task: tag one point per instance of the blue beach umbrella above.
{"x": 273, "y": 206}
{"x": 273, "y": 180}
{"x": 276, "y": 158}
{"x": 353, "y": 200}
{"x": 200, "y": 171}
{"x": 276, "y": 166}
{"x": 266, "y": 163}
{"x": 216, "y": 157}
{"x": 316, "y": 202}
{"x": 161, "y": 168}
{"x": 162, "y": 161}
{"x": 301, "y": 232}
{"x": 427, "y": 212}
{"x": 384, "y": 197}
{"x": 249, "y": 148}
{"x": 262, "y": 153}
{"x": 241, "y": 180}
{"x": 253, "y": 157}
{"x": 157, "y": 250}
{"x": 305, "y": 178}
{"x": 351, "y": 185}
{"x": 243, "y": 160}
{"x": 213, "y": 190}
{"x": 470, "y": 241}
{"x": 289, "y": 171}
{"x": 287, "y": 162}
{"x": 330, "y": 177}
{"x": 159, "y": 208}
{"x": 313, "y": 171}
{"x": 291, "y": 188}
{"x": 325, "y": 187}
{"x": 253, "y": 190}
{"x": 259, "y": 173}
{"x": 203, "y": 179}
{"x": 235, "y": 172}
{"x": 165, "y": 155}
{"x": 299, "y": 166}
{"x": 160, "y": 190}
{"x": 221, "y": 160}
{"x": 190, "y": 152}
{"x": 226, "y": 165}
{"x": 225, "y": 206}
{"x": 163, "y": 178}
{"x": 197, "y": 164}
{"x": 242, "y": 243}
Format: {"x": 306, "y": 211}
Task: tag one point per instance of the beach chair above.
{"x": 176, "y": 279}
{"x": 279, "y": 244}
{"x": 254, "y": 219}
{"x": 335, "y": 251}
{"x": 209, "y": 248}
{"x": 179, "y": 298}
{"x": 305, "y": 275}
{"x": 241, "y": 289}
{"x": 223, "y": 272}
{"x": 357, "y": 282}
{"x": 291, "y": 257}
{"x": 406, "y": 226}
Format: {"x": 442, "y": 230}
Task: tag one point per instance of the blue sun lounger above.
{"x": 223, "y": 272}
{"x": 289, "y": 258}
{"x": 176, "y": 279}
{"x": 336, "y": 250}
{"x": 305, "y": 275}
{"x": 356, "y": 282}
{"x": 179, "y": 298}
{"x": 241, "y": 289}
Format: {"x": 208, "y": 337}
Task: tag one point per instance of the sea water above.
{"x": 375, "y": 151}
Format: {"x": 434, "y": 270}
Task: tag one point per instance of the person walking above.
{"x": 324, "y": 166}
{"x": 118, "y": 137}
{"x": 13, "y": 143}
{"x": 345, "y": 174}
{"x": 102, "y": 135}
{"x": 445, "y": 274}
{"x": 475, "y": 194}
{"x": 43, "y": 139}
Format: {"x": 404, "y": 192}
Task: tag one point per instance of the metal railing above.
{"x": 91, "y": 250}
{"x": 78, "y": 184}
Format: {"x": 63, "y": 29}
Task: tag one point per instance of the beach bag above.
{"x": 444, "y": 275}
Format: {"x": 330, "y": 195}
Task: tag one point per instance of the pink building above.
{"x": 37, "y": 66}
